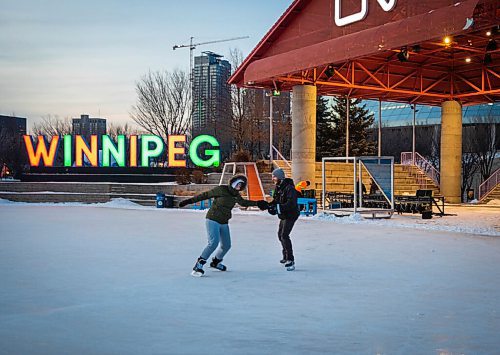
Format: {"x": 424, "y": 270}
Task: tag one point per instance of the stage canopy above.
{"x": 423, "y": 52}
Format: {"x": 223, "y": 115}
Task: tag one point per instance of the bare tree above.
{"x": 163, "y": 103}
{"x": 485, "y": 144}
{"x": 470, "y": 161}
{"x": 52, "y": 126}
{"x": 240, "y": 121}
{"x": 115, "y": 130}
{"x": 282, "y": 130}
{"x": 258, "y": 129}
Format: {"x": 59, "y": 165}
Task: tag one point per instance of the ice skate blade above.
{"x": 290, "y": 268}
{"x": 196, "y": 274}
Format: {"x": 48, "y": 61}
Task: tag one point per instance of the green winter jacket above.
{"x": 225, "y": 197}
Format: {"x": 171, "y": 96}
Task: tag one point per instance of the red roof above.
{"x": 361, "y": 59}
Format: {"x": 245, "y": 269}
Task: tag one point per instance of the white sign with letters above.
{"x": 386, "y": 5}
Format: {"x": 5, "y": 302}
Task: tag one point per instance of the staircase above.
{"x": 283, "y": 165}
{"x": 490, "y": 189}
{"x": 493, "y": 195}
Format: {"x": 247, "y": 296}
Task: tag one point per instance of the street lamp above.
{"x": 273, "y": 93}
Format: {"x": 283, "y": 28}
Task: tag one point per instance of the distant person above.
{"x": 363, "y": 187}
{"x": 218, "y": 216}
{"x": 373, "y": 187}
{"x": 284, "y": 204}
{"x": 301, "y": 186}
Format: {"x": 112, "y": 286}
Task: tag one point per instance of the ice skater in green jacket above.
{"x": 218, "y": 216}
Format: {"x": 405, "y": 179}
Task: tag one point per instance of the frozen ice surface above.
{"x": 115, "y": 279}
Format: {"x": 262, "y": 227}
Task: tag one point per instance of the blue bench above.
{"x": 307, "y": 206}
{"x": 202, "y": 205}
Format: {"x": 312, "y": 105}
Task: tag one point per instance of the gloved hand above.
{"x": 263, "y": 205}
{"x": 272, "y": 210}
{"x": 184, "y": 202}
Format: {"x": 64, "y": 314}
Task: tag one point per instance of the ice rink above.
{"x": 115, "y": 279}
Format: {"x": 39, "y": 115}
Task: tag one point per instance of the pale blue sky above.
{"x": 66, "y": 58}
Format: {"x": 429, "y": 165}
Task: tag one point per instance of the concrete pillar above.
{"x": 451, "y": 151}
{"x": 304, "y": 133}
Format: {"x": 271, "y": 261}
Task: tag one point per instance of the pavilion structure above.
{"x": 429, "y": 52}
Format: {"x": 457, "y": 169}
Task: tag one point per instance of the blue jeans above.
{"x": 218, "y": 235}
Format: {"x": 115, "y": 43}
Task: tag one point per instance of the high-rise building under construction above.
{"x": 212, "y": 99}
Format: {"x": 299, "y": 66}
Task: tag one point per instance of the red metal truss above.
{"x": 427, "y": 71}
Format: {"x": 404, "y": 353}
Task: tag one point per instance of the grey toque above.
{"x": 279, "y": 173}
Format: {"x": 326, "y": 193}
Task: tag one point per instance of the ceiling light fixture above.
{"x": 329, "y": 71}
{"x": 403, "y": 55}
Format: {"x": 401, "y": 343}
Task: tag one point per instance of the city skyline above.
{"x": 67, "y": 59}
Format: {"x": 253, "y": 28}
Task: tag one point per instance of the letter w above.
{"x": 41, "y": 150}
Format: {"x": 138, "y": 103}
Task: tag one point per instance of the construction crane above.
{"x": 192, "y": 46}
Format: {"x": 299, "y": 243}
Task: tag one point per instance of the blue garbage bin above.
{"x": 160, "y": 200}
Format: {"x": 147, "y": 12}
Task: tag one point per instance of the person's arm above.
{"x": 245, "y": 203}
{"x": 215, "y": 192}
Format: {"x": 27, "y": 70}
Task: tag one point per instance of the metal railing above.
{"x": 492, "y": 182}
{"x": 357, "y": 179}
{"x": 281, "y": 157}
{"x": 422, "y": 164}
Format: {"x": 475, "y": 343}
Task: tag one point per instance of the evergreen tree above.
{"x": 360, "y": 121}
{"x": 324, "y": 129}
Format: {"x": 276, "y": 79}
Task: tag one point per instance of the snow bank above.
{"x": 471, "y": 220}
{"x": 494, "y": 202}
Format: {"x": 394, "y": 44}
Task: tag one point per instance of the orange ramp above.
{"x": 254, "y": 189}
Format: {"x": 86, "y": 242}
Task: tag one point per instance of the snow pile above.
{"x": 481, "y": 221}
{"x": 121, "y": 203}
{"x": 114, "y": 203}
{"x": 4, "y": 202}
{"x": 348, "y": 219}
{"x": 494, "y": 202}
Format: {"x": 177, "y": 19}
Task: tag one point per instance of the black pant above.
{"x": 284, "y": 230}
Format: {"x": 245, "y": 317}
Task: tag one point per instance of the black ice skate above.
{"x": 216, "y": 263}
{"x": 198, "y": 267}
{"x": 282, "y": 261}
{"x": 290, "y": 265}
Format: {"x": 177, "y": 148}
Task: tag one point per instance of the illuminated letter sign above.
{"x": 150, "y": 147}
{"x": 215, "y": 153}
{"x": 133, "y": 151}
{"x": 82, "y": 148}
{"x": 386, "y": 5}
{"x": 109, "y": 148}
{"x": 41, "y": 150}
{"x": 147, "y": 153}
{"x": 173, "y": 150}
{"x": 67, "y": 150}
